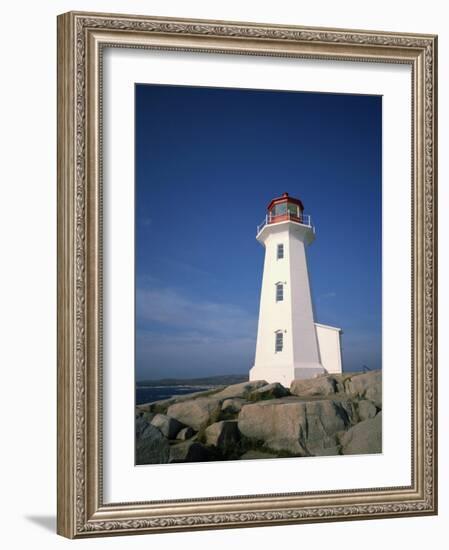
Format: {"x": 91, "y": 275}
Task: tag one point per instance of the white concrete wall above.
{"x": 274, "y": 315}
{"x": 329, "y": 344}
{"x": 304, "y": 340}
{"x": 294, "y": 315}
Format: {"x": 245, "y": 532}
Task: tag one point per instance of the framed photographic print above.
{"x": 246, "y": 274}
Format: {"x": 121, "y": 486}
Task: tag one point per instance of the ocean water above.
{"x": 146, "y": 394}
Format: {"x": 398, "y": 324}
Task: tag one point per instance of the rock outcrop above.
{"x": 327, "y": 415}
{"x": 151, "y": 446}
{"x": 324, "y": 385}
{"x": 268, "y": 392}
{"x": 224, "y": 435}
{"x": 189, "y": 451}
{"x": 167, "y": 426}
{"x": 366, "y": 409}
{"x": 232, "y": 405}
{"x": 185, "y": 433}
{"x": 240, "y": 390}
{"x": 368, "y": 386}
{"x": 363, "y": 438}
{"x": 196, "y": 413}
{"x": 297, "y": 427}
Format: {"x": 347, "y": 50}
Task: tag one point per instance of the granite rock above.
{"x": 166, "y": 425}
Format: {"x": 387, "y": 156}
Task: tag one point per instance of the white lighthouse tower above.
{"x": 290, "y": 345}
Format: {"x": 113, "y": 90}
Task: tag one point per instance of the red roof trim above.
{"x": 285, "y": 198}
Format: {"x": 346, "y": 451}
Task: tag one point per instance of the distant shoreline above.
{"x": 211, "y": 381}
{"x": 221, "y": 380}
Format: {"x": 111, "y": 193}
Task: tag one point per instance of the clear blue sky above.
{"x": 208, "y": 161}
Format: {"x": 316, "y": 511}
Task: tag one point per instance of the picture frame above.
{"x": 82, "y": 40}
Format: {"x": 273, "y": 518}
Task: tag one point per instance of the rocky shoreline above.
{"x": 336, "y": 414}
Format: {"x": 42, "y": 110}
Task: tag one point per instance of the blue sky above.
{"x": 208, "y": 161}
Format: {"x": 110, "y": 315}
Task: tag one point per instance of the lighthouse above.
{"x": 290, "y": 345}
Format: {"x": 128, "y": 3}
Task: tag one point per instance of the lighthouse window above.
{"x": 280, "y": 209}
{"x": 279, "y": 292}
{"x": 280, "y": 252}
{"x": 293, "y": 209}
{"x": 279, "y": 342}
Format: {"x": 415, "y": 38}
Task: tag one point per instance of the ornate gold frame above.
{"x": 81, "y": 37}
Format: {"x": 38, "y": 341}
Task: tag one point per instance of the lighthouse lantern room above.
{"x": 290, "y": 345}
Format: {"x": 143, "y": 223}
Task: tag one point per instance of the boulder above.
{"x": 151, "y": 446}
{"x": 189, "y": 451}
{"x": 240, "y": 390}
{"x": 140, "y": 424}
{"x": 366, "y": 386}
{"x": 224, "y": 435}
{"x": 196, "y": 413}
{"x": 156, "y": 406}
{"x": 298, "y": 427}
{"x": 321, "y": 386}
{"x": 319, "y": 417}
{"x": 270, "y": 391}
{"x": 326, "y": 451}
{"x": 163, "y": 404}
{"x": 166, "y": 425}
{"x": 185, "y": 433}
{"x": 366, "y": 409}
{"x": 253, "y": 454}
{"x": 363, "y": 438}
{"x": 148, "y": 416}
{"x": 232, "y": 405}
